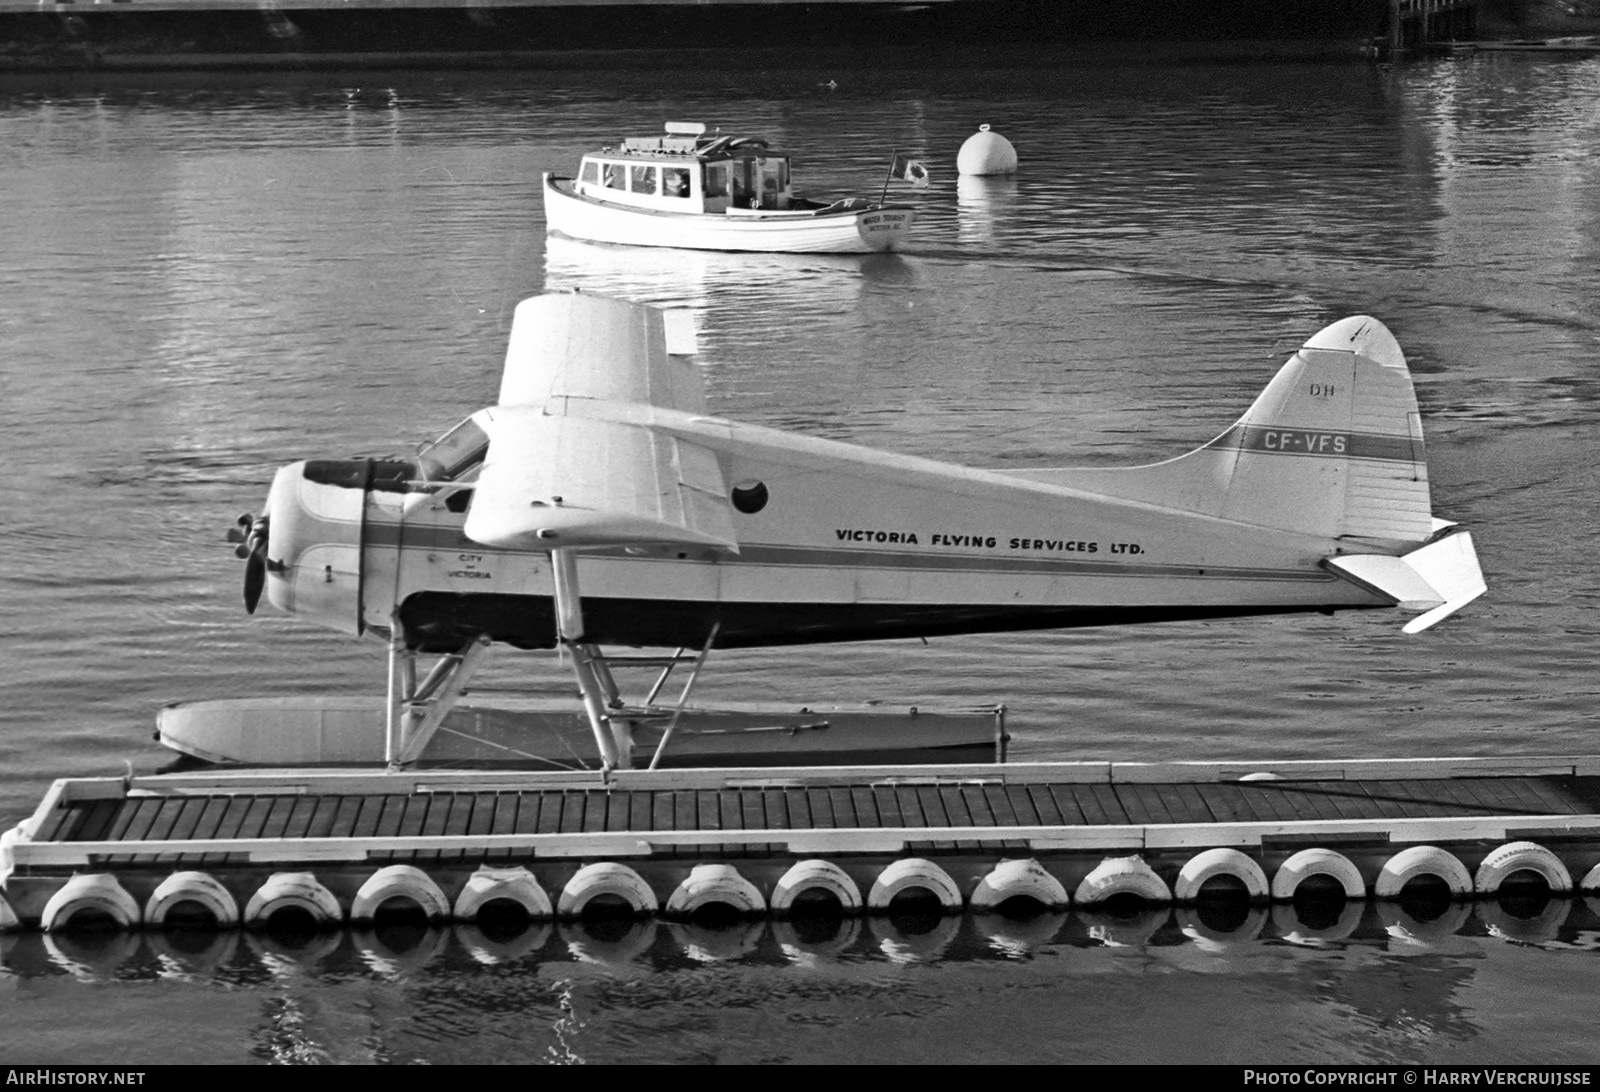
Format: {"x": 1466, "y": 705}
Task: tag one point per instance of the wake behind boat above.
{"x": 707, "y": 191}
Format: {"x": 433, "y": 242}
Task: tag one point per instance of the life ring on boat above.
{"x": 399, "y": 881}
{"x": 914, "y": 874}
{"x": 292, "y": 891}
{"x": 200, "y": 888}
{"x": 1122, "y": 876}
{"x": 1317, "y": 862}
{"x": 713, "y": 885}
{"x": 95, "y": 892}
{"x": 1419, "y": 861}
{"x": 1513, "y": 857}
{"x": 516, "y": 885}
{"x": 815, "y": 875}
{"x": 606, "y": 878}
{"x": 1019, "y": 878}
{"x": 1220, "y": 864}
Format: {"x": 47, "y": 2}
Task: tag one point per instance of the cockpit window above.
{"x": 453, "y": 455}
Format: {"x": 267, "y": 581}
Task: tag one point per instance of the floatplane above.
{"x": 600, "y": 504}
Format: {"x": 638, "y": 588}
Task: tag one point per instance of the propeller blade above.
{"x": 255, "y": 577}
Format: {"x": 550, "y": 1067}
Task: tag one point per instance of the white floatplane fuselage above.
{"x": 680, "y": 522}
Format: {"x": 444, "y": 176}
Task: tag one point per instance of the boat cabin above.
{"x": 689, "y": 170}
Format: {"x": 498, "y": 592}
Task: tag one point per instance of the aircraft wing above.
{"x": 561, "y": 472}
{"x": 1439, "y": 578}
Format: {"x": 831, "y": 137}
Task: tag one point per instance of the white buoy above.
{"x": 986, "y": 152}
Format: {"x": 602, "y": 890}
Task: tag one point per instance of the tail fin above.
{"x": 1332, "y": 447}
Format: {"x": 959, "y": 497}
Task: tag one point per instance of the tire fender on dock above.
{"x": 200, "y": 888}
{"x": 1317, "y": 862}
{"x": 606, "y": 878}
{"x": 1021, "y": 877}
{"x": 1216, "y": 864}
{"x": 489, "y": 884}
{"x": 1115, "y": 876}
{"x": 296, "y": 891}
{"x": 1417, "y": 862}
{"x": 399, "y": 881}
{"x": 92, "y": 891}
{"x": 711, "y": 884}
{"x": 815, "y": 875}
{"x": 1591, "y": 880}
{"x": 1514, "y": 857}
{"x": 912, "y": 874}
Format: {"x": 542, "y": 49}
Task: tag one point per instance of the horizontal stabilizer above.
{"x": 1439, "y": 578}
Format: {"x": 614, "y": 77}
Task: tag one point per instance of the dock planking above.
{"x": 390, "y": 809}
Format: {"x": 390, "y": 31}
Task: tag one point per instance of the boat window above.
{"x": 614, "y": 176}
{"x": 454, "y": 454}
{"x": 716, "y": 180}
{"x": 590, "y": 172}
{"x": 676, "y": 182}
{"x": 644, "y": 180}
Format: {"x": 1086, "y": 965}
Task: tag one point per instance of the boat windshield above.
{"x": 453, "y": 455}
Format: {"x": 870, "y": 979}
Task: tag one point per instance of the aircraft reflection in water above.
{"x": 598, "y": 503}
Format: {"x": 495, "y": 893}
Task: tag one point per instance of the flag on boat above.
{"x": 909, "y": 170}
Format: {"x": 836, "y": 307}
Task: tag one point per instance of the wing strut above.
{"x": 683, "y": 698}
{"x": 614, "y": 738}
{"x": 416, "y": 710}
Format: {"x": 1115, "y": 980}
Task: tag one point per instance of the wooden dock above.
{"x": 340, "y": 846}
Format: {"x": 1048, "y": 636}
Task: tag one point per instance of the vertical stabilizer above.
{"x": 1332, "y": 447}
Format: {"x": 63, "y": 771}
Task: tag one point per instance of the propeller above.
{"x": 250, "y": 537}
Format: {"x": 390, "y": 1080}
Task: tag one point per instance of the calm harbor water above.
{"x": 202, "y": 278}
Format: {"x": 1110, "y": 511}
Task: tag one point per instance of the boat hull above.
{"x": 854, "y": 231}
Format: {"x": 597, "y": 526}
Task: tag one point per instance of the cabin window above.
{"x": 675, "y": 182}
{"x": 453, "y": 454}
{"x": 590, "y": 172}
{"x": 614, "y": 176}
{"x": 644, "y": 180}
{"x": 716, "y": 180}
{"x": 750, "y": 497}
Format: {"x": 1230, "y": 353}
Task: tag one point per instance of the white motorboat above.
{"x": 702, "y": 191}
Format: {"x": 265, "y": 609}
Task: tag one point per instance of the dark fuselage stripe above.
{"x": 1320, "y": 443}
{"x": 452, "y": 539}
